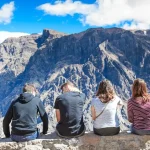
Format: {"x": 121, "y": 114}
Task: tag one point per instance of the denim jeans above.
{"x": 23, "y": 138}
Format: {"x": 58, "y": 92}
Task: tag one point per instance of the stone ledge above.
{"x": 89, "y": 141}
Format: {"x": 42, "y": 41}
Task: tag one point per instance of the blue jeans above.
{"x": 23, "y": 138}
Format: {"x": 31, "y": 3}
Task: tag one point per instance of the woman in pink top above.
{"x": 139, "y": 108}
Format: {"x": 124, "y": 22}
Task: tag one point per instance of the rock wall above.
{"x": 89, "y": 141}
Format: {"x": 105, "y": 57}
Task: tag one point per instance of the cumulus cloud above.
{"x": 104, "y": 12}
{"x": 67, "y": 7}
{"x": 6, "y": 12}
{"x": 5, "y": 34}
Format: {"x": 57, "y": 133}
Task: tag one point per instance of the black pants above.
{"x": 107, "y": 131}
{"x": 75, "y": 136}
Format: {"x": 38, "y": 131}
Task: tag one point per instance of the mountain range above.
{"x": 85, "y": 58}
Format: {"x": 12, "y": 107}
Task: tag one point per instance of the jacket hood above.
{"x": 26, "y": 97}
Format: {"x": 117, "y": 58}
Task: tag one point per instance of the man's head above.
{"x": 69, "y": 86}
{"x": 29, "y": 88}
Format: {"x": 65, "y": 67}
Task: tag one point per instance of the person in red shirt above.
{"x": 139, "y": 108}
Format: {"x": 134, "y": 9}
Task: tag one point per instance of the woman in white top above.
{"x": 104, "y": 110}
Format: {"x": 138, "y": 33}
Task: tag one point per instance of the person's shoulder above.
{"x": 82, "y": 95}
{"x": 130, "y": 100}
{"x": 95, "y": 100}
{"x": 36, "y": 99}
{"x": 15, "y": 100}
{"x": 117, "y": 99}
{"x": 61, "y": 96}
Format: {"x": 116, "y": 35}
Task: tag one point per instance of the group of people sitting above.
{"x": 69, "y": 112}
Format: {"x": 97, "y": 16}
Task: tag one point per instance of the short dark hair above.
{"x": 29, "y": 88}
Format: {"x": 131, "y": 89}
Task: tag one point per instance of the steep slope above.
{"x": 85, "y": 58}
{"x": 15, "y": 54}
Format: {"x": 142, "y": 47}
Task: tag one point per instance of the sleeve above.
{"x": 7, "y": 120}
{"x": 129, "y": 111}
{"x": 93, "y": 102}
{"x": 120, "y": 102}
{"x": 41, "y": 108}
{"x": 56, "y": 104}
{"x": 43, "y": 116}
{"x": 84, "y": 99}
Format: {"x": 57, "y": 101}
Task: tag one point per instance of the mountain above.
{"x": 14, "y": 56}
{"x": 85, "y": 58}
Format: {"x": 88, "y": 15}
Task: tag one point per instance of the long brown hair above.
{"x": 139, "y": 89}
{"x": 105, "y": 91}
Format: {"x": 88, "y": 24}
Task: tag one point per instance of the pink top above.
{"x": 139, "y": 114}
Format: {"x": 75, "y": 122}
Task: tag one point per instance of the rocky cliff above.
{"x": 87, "y": 142}
{"x": 85, "y": 58}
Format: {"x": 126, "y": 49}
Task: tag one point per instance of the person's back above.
{"x": 109, "y": 116}
{"x": 104, "y": 110}
{"x": 23, "y": 113}
{"x": 139, "y": 108}
{"x": 70, "y": 106}
{"x": 140, "y": 113}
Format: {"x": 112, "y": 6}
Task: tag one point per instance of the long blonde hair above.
{"x": 105, "y": 91}
{"x": 139, "y": 89}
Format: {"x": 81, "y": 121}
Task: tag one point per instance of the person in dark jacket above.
{"x": 69, "y": 112}
{"x": 23, "y": 114}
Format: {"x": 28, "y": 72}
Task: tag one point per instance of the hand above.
{"x": 41, "y": 134}
{"x": 44, "y": 133}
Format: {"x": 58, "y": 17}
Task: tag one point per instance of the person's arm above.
{"x": 93, "y": 112}
{"x": 130, "y": 112}
{"x": 120, "y": 102}
{"x": 43, "y": 116}
{"x": 7, "y": 120}
{"x": 56, "y": 106}
{"x": 57, "y": 115}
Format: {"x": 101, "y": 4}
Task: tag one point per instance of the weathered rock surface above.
{"x": 89, "y": 141}
{"x": 85, "y": 58}
{"x": 14, "y": 56}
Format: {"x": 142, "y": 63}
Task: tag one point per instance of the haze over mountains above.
{"x": 86, "y": 58}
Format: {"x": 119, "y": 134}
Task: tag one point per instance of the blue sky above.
{"x": 28, "y": 19}
{"x": 20, "y": 17}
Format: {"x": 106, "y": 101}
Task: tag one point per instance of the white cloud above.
{"x": 136, "y": 26}
{"x": 5, "y": 34}
{"x": 104, "y": 12}
{"x": 6, "y": 12}
{"x": 67, "y": 8}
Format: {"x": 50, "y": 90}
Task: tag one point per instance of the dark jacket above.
{"x": 23, "y": 113}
